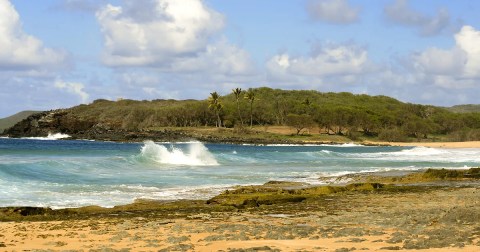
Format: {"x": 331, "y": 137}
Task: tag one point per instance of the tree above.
{"x": 215, "y": 105}
{"x": 299, "y": 122}
{"x": 307, "y": 104}
{"x": 237, "y": 92}
{"x": 417, "y": 127}
{"x": 250, "y": 96}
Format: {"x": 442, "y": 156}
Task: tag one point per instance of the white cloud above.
{"x": 434, "y": 76}
{"x": 332, "y": 11}
{"x": 456, "y": 67}
{"x": 73, "y": 88}
{"x": 170, "y": 48}
{"x": 468, "y": 39}
{"x": 18, "y": 50}
{"x": 399, "y": 12}
{"x": 220, "y": 57}
{"x": 331, "y": 61}
{"x": 158, "y": 32}
{"x": 440, "y": 62}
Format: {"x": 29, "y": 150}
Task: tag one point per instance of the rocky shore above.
{"x": 63, "y": 121}
{"x": 437, "y": 210}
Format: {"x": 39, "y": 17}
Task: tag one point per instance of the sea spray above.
{"x": 196, "y": 154}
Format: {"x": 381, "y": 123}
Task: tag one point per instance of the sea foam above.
{"x": 196, "y": 154}
{"x": 55, "y": 136}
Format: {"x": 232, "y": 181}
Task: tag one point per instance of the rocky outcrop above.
{"x": 63, "y": 121}
{"x": 35, "y": 125}
{"x": 66, "y": 121}
{"x": 44, "y": 123}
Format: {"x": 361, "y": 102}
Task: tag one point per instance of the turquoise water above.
{"x": 63, "y": 173}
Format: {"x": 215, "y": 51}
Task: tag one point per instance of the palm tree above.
{"x": 250, "y": 96}
{"x": 215, "y": 105}
{"x": 237, "y": 92}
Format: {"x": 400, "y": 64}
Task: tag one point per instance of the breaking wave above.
{"x": 50, "y": 136}
{"x": 196, "y": 154}
{"x": 418, "y": 154}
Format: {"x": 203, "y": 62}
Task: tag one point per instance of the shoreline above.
{"x": 277, "y": 216}
{"x": 444, "y": 145}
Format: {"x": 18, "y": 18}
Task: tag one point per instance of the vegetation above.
{"x": 320, "y": 114}
{"x": 299, "y": 122}
{"x": 215, "y": 105}
{"x": 238, "y": 92}
{"x": 250, "y": 96}
{"x": 467, "y": 108}
{"x": 8, "y": 122}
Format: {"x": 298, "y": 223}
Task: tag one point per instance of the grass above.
{"x": 8, "y": 122}
{"x": 277, "y": 134}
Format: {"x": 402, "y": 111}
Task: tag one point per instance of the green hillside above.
{"x": 467, "y": 108}
{"x": 342, "y": 114}
{"x": 8, "y": 122}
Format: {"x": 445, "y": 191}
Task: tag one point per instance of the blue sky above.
{"x": 60, "y": 53}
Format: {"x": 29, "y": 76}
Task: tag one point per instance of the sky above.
{"x": 61, "y": 53}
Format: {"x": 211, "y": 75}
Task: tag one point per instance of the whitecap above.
{"x": 196, "y": 155}
{"x": 55, "y": 136}
{"x": 425, "y": 154}
{"x": 344, "y": 145}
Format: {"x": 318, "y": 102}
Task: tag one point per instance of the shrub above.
{"x": 392, "y": 135}
{"x": 354, "y": 135}
{"x": 465, "y": 135}
{"x": 228, "y": 124}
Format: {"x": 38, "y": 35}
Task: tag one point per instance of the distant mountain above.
{"x": 467, "y": 108}
{"x": 8, "y": 122}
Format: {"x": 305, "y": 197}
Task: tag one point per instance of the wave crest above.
{"x": 55, "y": 136}
{"x": 196, "y": 154}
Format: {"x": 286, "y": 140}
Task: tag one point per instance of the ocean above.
{"x": 47, "y": 172}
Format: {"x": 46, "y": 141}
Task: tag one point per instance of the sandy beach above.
{"x": 431, "y": 218}
{"x": 471, "y": 144}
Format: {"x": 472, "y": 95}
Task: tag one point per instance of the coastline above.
{"x": 259, "y": 141}
{"x": 447, "y": 145}
{"x": 433, "y": 211}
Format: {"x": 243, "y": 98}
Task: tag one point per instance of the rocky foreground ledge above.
{"x": 437, "y": 210}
